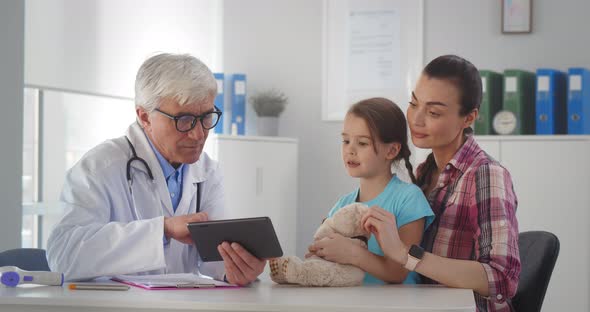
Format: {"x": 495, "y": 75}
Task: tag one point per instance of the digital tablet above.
{"x": 257, "y": 235}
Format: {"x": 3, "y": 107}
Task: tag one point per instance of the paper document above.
{"x": 170, "y": 281}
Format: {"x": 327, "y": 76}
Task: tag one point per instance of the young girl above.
{"x": 473, "y": 242}
{"x": 374, "y": 138}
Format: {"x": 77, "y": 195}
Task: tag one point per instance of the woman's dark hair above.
{"x": 387, "y": 122}
{"x": 461, "y": 73}
{"x": 465, "y": 76}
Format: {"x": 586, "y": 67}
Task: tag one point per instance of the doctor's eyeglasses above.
{"x": 186, "y": 122}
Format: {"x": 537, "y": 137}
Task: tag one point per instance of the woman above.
{"x": 473, "y": 241}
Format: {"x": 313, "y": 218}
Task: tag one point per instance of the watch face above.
{"x": 505, "y": 122}
{"x": 416, "y": 251}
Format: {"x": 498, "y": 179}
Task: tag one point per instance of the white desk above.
{"x": 261, "y": 296}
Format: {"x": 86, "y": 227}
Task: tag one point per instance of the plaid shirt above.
{"x": 475, "y": 207}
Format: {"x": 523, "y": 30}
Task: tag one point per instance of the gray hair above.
{"x": 179, "y": 76}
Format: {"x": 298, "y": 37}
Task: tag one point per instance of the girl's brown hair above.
{"x": 387, "y": 122}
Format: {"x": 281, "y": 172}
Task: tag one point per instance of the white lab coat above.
{"x": 107, "y": 231}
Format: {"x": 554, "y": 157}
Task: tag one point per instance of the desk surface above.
{"x": 262, "y": 296}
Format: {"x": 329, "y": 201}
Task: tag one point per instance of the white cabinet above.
{"x": 551, "y": 176}
{"x": 490, "y": 147}
{"x": 260, "y": 176}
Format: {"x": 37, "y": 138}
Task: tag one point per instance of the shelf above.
{"x": 42, "y": 208}
{"x": 532, "y": 137}
{"x": 253, "y": 138}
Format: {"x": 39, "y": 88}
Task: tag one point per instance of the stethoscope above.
{"x": 149, "y": 171}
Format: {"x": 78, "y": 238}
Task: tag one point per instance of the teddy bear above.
{"x": 315, "y": 271}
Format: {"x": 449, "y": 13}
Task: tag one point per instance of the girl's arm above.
{"x": 344, "y": 250}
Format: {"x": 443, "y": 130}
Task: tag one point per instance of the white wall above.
{"x": 472, "y": 30}
{"x": 278, "y": 44}
{"x": 12, "y": 33}
{"x": 97, "y": 46}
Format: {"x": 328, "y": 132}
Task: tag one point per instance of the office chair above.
{"x": 30, "y": 259}
{"x": 538, "y": 253}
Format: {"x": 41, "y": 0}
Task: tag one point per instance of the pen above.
{"x": 97, "y": 286}
{"x": 195, "y": 285}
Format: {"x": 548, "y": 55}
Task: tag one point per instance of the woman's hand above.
{"x": 339, "y": 249}
{"x": 382, "y": 224}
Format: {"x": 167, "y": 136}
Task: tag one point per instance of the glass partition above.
{"x": 60, "y": 127}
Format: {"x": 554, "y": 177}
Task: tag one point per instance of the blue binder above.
{"x": 238, "y": 105}
{"x": 578, "y": 105}
{"x": 551, "y": 102}
{"x": 219, "y": 102}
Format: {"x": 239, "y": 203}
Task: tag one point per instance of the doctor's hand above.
{"x": 175, "y": 227}
{"x": 383, "y": 225}
{"x": 241, "y": 267}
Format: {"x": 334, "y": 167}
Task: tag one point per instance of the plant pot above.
{"x": 267, "y": 126}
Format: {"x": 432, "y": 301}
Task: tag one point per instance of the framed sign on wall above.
{"x": 517, "y": 16}
{"x": 369, "y": 49}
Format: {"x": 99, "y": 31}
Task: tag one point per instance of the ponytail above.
{"x": 405, "y": 155}
{"x": 426, "y": 172}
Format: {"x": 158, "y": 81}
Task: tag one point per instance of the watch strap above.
{"x": 411, "y": 263}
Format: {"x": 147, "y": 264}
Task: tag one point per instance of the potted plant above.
{"x": 268, "y": 105}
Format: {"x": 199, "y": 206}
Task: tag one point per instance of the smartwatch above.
{"x": 415, "y": 255}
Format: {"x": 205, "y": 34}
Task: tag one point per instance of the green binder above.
{"x": 519, "y": 98}
{"x": 491, "y": 101}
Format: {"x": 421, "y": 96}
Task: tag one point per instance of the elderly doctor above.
{"x": 129, "y": 199}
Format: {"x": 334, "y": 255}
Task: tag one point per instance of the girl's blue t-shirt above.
{"x": 406, "y": 202}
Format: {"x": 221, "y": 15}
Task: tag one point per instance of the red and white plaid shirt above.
{"x": 475, "y": 208}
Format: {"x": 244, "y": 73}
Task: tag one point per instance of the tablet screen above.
{"x": 257, "y": 235}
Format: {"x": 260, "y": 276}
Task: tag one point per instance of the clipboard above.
{"x": 171, "y": 281}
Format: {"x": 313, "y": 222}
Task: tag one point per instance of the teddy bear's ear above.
{"x": 325, "y": 229}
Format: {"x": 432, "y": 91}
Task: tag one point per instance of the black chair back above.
{"x": 538, "y": 253}
{"x": 29, "y": 259}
